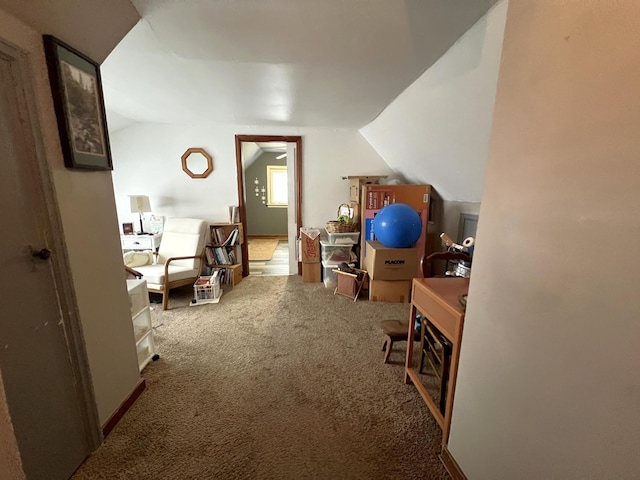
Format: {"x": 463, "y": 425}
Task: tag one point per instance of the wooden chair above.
{"x": 398, "y": 330}
{"x": 131, "y": 273}
{"x": 427, "y": 261}
{"x": 395, "y": 331}
{"x": 179, "y": 259}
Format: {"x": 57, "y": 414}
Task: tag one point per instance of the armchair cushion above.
{"x": 181, "y": 237}
{"x": 138, "y": 259}
{"x": 154, "y": 274}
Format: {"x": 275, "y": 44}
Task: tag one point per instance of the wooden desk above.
{"x": 437, "y": 300}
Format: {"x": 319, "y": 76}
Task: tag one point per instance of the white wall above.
{"x": 147, "y": 161}
{"x": 437, "y": 131}
{"x": 549, "y": 376}
{"x": 86, "y": 207}
{"x": 452, "y": 211}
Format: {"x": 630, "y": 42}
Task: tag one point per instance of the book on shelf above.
{"x": 231, "y": 239}
{"x": 225, "y": 275}
{"x": 208, "y": 251}
{"x": 215, "y": 277}
{"x": 220, "y": 255}
{"x": 217, "y": 235}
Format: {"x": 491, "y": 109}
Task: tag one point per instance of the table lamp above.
{"x": 140, "y": 204}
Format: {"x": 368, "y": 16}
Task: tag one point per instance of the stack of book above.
{"x": 218, "y": 237}
{"x": 220, "y": 256}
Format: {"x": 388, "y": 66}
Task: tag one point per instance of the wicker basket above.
{"x": 334, "y": 226}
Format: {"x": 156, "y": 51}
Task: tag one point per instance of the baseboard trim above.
{"x": 124, "y": 407}
{"x": 451, "y": 465}
{"x": 279, "y": 237}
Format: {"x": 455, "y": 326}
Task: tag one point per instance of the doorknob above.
{"x": 43, "y": 254}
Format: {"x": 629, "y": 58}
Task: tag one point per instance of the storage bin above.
{"x": 328, "y": 275}
{"x": 335, "y": 253}
{"x": 203, "y": 289}
{"x": 145, "y": 349}
{"x": 138, "y": 300}
{"x": 349, "y": 238}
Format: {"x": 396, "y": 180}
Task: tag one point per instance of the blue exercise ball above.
{"x": 397, "y": 226}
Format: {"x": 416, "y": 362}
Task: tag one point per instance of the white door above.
{"x": 45, "y": 405}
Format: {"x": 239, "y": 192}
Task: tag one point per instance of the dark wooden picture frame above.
{"x": 127, "y": 228}
{"x": 76, "y": 87}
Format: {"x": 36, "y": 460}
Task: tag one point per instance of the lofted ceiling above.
{"x": 303, "y": 63}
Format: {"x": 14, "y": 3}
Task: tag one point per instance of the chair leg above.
{"x": 389, "y": 343}
{"x": 165, "y": 299}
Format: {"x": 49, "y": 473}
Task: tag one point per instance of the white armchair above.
{"x": 179, "y": 258}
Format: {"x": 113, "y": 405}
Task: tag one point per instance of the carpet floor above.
{"x": 280, "y": 380}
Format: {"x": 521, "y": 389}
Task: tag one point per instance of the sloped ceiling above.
{"x": 93, "y": 27}
{"x": 438, "y": 130}
{"x": 304, "y": 63}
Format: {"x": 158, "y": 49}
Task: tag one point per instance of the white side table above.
{"x": 141, "y": 242}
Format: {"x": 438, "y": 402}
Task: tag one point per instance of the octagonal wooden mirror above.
{"x": 197, "y": 163}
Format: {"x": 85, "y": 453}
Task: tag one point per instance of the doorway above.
{"x": 268, "y": 170}
{"x": 46, "y": 387}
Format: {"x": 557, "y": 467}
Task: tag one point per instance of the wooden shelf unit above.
{"x": 219, "y": 255}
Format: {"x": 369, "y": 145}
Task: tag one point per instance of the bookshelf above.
{"x": 223, "y": 253}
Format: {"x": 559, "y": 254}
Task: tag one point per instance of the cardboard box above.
{"x": 311, "y": 273}
{"x": 384, "y": 263}
{"x": 379, "y": 196}
{"x": 310, "y": 245}
{"x": 396, "y": 291}
{"x": 356, "y": 182}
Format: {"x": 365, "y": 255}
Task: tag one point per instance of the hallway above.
{"x": 278, "y": 265}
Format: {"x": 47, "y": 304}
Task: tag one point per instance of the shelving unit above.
{"x": 223, "y": 251}
{"x": 141, "y": 318}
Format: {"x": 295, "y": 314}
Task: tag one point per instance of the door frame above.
{"x": 50, "y": 220}
{"x": 241, "y": 187}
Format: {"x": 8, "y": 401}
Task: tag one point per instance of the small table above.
{"x": 437, "y": 299}
{"x": 141, "y": 242}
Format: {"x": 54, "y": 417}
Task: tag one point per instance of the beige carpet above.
{"x": 280, "y": 380}
{"x": 262, "y": 248}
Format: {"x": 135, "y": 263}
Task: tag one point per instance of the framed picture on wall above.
{"x": 76, "y": 87}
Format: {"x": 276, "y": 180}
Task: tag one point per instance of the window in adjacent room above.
{"x": 277, "y": 189}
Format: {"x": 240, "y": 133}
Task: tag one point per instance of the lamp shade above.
{"x": 139, "y": 203}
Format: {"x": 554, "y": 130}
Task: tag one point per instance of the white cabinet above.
{"x": 141, "y": 317}
{"x": 141, "y": 242}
